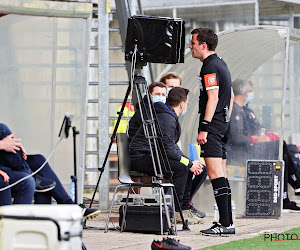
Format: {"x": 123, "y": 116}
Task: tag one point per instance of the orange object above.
{"x": 273, "y": 136}
{"x": 210, "y": 80}
{"x": 253, "y": 138}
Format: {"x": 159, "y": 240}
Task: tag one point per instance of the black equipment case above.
{"x": 145, "y": 219}
{"x": 264, "y": 188}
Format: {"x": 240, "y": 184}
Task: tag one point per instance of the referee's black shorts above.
{"x": 217, "y": 137}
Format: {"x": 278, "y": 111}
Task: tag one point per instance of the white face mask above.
{"x": 158, "y": 98}
{"x": 250, "y": 98}
{"x": 184, "y": 111}
{"x": 168, "y": 90}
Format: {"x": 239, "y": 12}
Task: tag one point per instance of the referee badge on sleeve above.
{"x": 210, "y": 80}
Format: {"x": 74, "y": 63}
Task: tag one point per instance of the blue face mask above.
{"x": 168, "y": 90}
{"x": 183, "y": 112}
{"x": 250, "y": 98}
{"x": 158, "y": 98}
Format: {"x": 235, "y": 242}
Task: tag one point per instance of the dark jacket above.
{"x": 170, "y": 129}
{"x": 238, "y": 127}
{"x": 136, "y": 120}
{"x": 254, "y": 127}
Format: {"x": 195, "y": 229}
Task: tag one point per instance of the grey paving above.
{"x": 246, "y": 228}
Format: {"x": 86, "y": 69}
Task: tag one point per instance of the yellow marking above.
{"x": 108, "y": 10}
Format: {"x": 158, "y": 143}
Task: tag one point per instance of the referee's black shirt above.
{"x": 214, "y": 74}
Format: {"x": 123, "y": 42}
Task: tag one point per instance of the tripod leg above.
{"x": 167, "y": 211}
{"x": 112, "y": 138}
{"x": 83, "y": 246}
{"x": 173, "y": 207}
{"x": 161, "y": 213}
{"x": 184, "y": 223}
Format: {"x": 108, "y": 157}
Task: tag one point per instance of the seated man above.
{"x": 183, "y": 168}
{"x": 243, "y": 140}
{"x": 171, "y": 80}
{"x": 23, "y": 192}
{"x": 246, "y": 140}
{"x": 157, "y": 92}
{"x": 168, "y": 81}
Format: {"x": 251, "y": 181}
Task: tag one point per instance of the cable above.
{"x": 33, "y": 173}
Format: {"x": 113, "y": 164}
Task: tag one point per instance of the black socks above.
{"x": 221, "y": 195}
{"x": 229, "y": 203}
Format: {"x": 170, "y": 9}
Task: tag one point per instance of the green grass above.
{"x": 260, "y": 242}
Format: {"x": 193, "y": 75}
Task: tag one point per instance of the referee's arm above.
{"x": 212, "y": 102}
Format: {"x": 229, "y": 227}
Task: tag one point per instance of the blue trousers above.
{"x": 58, "y": 193}
{"x": 23, "y": 191}
{"x": 5, "y": 196}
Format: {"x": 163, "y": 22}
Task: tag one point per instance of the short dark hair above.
{"x": 156, "y": 84}
{"x": 177, "y": 95}
{"x": 207, "y": 35}
{"x": 170, "y": 75}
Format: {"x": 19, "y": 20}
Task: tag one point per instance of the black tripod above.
{"x": 153, "y": 134}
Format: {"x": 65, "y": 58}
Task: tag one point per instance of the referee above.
{"x": 215, "y": 105}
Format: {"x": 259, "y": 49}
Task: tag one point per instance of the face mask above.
{"x": 158, "y": 98}
{"x": 250, "y": 98}
{"x": 168, "y": 90}
{"x": 184, "y": 111}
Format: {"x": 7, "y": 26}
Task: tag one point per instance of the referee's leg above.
{"x": 228, "y": 191}
{"x": 216, "y": 170}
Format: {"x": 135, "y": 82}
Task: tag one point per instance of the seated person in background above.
{"x": 171, "y": 80}
{"x": 157, "y": 92}
{"x": 168, "y": 81}
{"x": 19, "y": 165}
{"x": 183, "y": 168}
{"x": 22, "y": 192}
{"x": 246, "y": 140}
{"x": 242, "y": 141}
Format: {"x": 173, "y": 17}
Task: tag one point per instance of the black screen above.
{"x": 159, "y": 40}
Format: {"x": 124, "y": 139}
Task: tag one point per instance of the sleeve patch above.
{"x": 184, "y": 161}
{"x": 210, "y": 80}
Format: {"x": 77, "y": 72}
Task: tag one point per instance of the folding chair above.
{"x": 124, "y": 166}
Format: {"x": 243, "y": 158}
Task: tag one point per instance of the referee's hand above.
{"x": 201, "y": 138}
